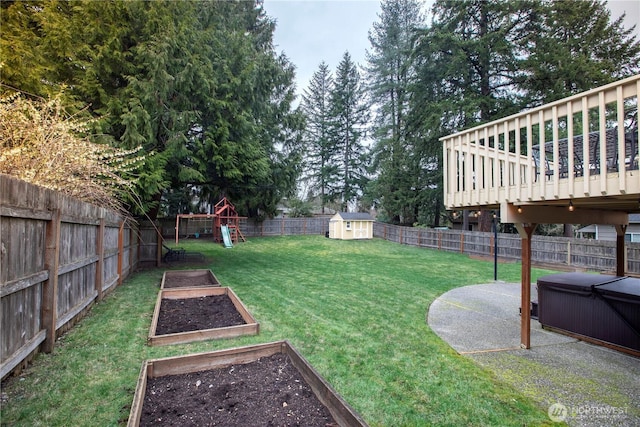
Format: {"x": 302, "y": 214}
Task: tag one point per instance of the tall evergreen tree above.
{"x": 281, "y": 134}
{"x": 479, "y": 42}
{"x": 197, "y": 84}
{"x": 574, "y": 46}
{"x": 482, "y": 60}
{"x": 231, "y": 147}
{"x": 390, "y": 73}
{"x": 349, "y": 116}
{"x": 469, "y": 69}
{"x": 321, "y": 164}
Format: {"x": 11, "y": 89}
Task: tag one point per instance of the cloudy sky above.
{"x": 311, "y": 31}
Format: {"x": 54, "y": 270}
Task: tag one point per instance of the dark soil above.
{"x": 267, "y": 392}
{"x": 195, "y": 314}
{"x": 185, "y": 281}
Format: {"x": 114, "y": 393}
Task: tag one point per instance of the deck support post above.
{"x": 525, "y": 231}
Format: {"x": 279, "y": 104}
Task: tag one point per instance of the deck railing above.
{"x": 590, "y": 145}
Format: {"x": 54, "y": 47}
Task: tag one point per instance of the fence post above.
{"x": 50, "y": 288}
{"x": 120, "y": 251}
{"x": 131, "y": 234}
{"x": 100, "y": 253}
{"x": 139, "y": 245}
{"x": 158, "y": 244}
{"x": 462, "y": 242}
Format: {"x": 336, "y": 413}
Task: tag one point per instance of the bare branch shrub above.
{"x": 41, "y": 144}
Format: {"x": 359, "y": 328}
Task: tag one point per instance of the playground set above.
{"x": 223, "y": 224}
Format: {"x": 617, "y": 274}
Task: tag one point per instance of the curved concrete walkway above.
{"x": 577, "y": 382}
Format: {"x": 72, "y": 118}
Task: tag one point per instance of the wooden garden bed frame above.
{"x": 342, "y": 413}
{"x": 193, "y": 274}
{"x": 251, "y": 327}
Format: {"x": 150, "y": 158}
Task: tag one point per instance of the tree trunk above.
{"x": 568, "y": 230}
{"x": 436, "y": 213}
{"x": 152, "y": 214}
{"x": 484, "y": 220}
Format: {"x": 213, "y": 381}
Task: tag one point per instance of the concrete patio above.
{"x": 576, "y": 382}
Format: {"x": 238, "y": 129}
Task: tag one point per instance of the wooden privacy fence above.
{"x": 576, "y": 253}
{"x": 57, "y": 256}
{"x": 248, "y": 226}
{"x": 285, "y": 226}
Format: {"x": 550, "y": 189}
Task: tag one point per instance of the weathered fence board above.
{"x": 633, "y": 257}
{"x": 57, "y": 256}
{"x": 20, "y": 319}
{"x": 148, "y": 244}
{"x": 22, "y": 247}
{"x": 578, "y": 253}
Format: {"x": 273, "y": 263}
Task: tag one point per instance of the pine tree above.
{"x": 390, "y": 73}
{"x": 321, "y": 161}
{"x": 468, "y": 72}
{"x": 349, "y": 117}
{"x": 574, "y": 46}
{"x": 250, "y": 149}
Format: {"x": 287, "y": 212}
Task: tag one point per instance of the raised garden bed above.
{"x": 201, "y": 314}
{"x": 265, "y": 384}
{"x": 188, "y": 279}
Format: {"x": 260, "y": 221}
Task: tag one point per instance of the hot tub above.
{"x": 623, "y": 317}
{"x": 602, "y": 307}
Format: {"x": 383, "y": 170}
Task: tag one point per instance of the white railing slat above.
{"x": 491, "y": 173}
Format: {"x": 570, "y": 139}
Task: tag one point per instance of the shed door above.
{"x": 361, "y": 230}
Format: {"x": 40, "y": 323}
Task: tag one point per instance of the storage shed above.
{"x": 351, "y": 225}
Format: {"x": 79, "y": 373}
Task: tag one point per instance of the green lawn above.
{"x": 356, "y": 310}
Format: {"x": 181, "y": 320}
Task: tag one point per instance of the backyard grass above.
{"x": 355, "y": 309}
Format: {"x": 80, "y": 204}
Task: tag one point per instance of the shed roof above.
{"x": 362, "y": 216}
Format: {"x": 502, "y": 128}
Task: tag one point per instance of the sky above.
{"x": 312, "y": 31}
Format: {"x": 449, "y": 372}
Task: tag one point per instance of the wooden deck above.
{"x": 501, "y": 163}
{"x": 587, "y": 172}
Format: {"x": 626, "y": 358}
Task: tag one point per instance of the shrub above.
{"x": 41, "y": 144}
